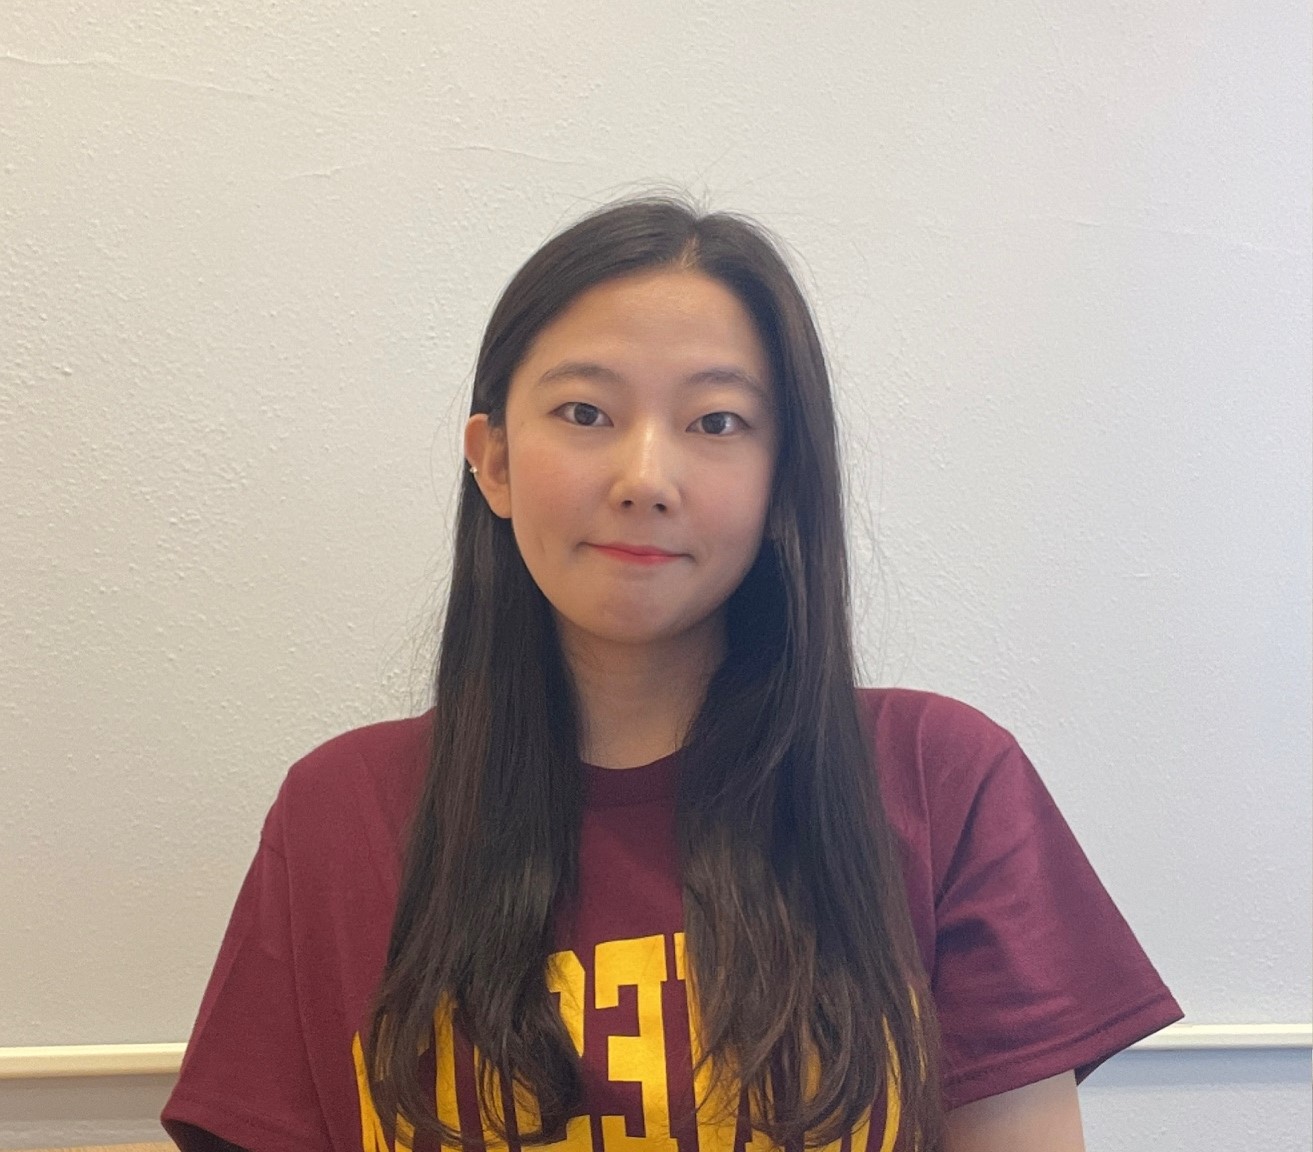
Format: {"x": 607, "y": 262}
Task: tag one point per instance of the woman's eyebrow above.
{"x": 586, "y": 370}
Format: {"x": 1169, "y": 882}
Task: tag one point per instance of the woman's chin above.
{"x": 632, "y": 629}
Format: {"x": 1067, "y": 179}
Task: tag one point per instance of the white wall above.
{"x": 1061, "y": 253}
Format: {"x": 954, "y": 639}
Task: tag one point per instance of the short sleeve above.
{"x": 1035, "y": 971}
{"x": 245, "y": 1076}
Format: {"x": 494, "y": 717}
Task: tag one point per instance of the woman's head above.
{"x": 686, "y": 408}
{"x": 634, "y": 459}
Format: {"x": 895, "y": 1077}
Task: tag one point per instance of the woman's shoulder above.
{"x": 370, "y": 775}
{"x": 379, "y": 747}
{"x": 935, "y": 756}
{"x": 933, "y": 729}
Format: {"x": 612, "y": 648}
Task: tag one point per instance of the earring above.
{"x": 473, "y": 470}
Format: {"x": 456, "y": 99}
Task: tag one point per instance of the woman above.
{"x": 652, "y": 872}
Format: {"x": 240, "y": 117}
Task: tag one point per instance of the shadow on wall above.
{"x": 77, "y": 1112}
{"x": 1205, "y": 1070}
{"x": 1138, "y": 1100}
{"x": 1178, "y": 1101}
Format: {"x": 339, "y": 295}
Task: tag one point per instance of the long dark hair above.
{"x": 802, "y": 959}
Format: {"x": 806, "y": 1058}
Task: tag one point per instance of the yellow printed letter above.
{"x": 717, "y": 1123}
{"x": 641, "y": 964}
{"x": 372, "y": 1137}
{"x": 565, "y": 977}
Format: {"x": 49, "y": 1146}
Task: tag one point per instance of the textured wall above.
{"x": 1061, "y": 254}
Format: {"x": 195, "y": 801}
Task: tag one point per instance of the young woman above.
{"x": 652, "y": 873}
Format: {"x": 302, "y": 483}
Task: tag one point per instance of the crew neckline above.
{"x": 614, "y": 787}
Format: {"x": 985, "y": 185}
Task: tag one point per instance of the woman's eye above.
{"x": 718, "y": 423}
{"x": 585, "y": 415}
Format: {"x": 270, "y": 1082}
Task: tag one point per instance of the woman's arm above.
{"x": 1041, "y": 1117}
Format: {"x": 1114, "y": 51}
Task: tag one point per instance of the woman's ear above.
{"x": 485, "y": 453}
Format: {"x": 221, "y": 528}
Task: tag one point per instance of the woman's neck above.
{"x": 637, "y": 701}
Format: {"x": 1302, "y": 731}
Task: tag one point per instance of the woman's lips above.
{"x": 637, "y": 553}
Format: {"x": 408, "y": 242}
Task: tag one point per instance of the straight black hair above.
{"x": 809, "y": 988}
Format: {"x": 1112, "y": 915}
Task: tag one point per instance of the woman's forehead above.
{"x": 683, "y": 320}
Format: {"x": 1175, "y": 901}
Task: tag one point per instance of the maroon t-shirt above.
{"x": 1034, "y": 972}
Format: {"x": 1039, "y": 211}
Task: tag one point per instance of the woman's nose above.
{"x": 646, "y": 471}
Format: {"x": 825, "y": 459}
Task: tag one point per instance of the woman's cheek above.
{"x": 549, "y": 487}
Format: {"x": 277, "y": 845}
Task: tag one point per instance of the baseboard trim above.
{"x": 69, "y": 1060}
{"x": 74, "y": 1060}
{"x": 1179, "y": 1037}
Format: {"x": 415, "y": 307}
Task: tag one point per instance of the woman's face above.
{"x": 636, "y": 458}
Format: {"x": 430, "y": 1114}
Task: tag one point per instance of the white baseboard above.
{"x": 73, "y": 1060}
